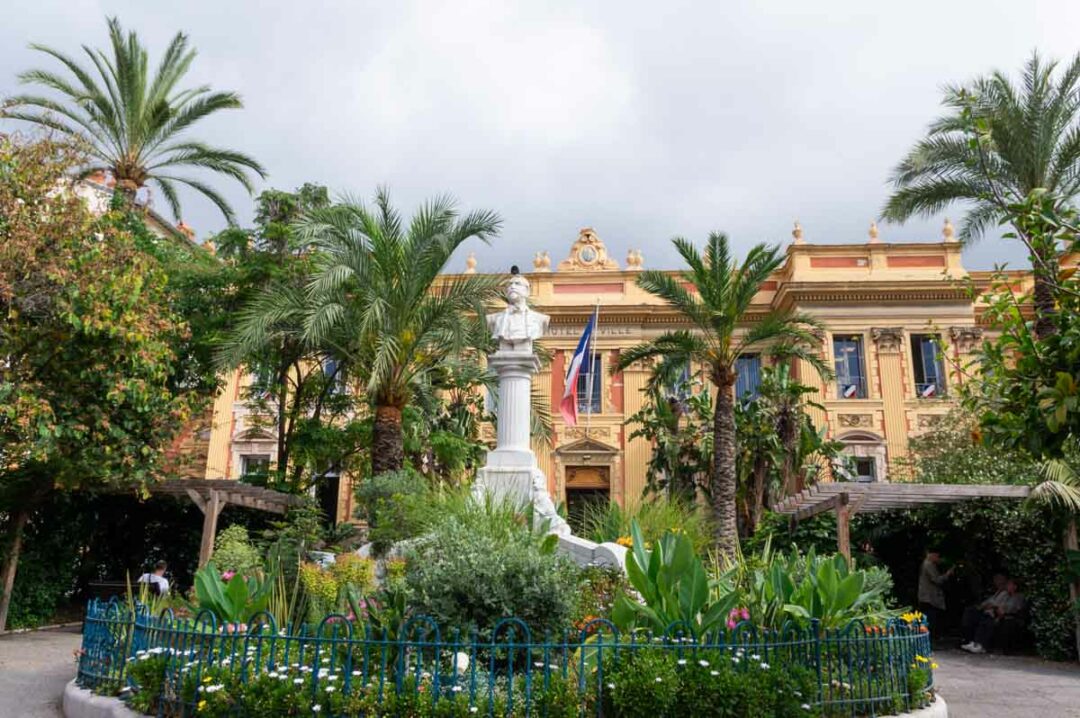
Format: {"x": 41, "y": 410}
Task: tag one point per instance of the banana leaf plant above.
{"x": 801, "y": 588}
{"x": 676, "y": 592}
{"x": 233, "y": 602}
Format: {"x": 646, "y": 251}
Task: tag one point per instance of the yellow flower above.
{"x": 933, "y": 666}
{"x": 922, "y": 659}
{"x": 201, "y": 706}
{"x": 625, "y": 541}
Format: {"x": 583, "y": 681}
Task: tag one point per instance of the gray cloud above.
{"x": 643, "y": 120}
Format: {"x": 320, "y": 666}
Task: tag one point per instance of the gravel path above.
{"x": 1007, "y": 686}
{"x": 33, "y": 670}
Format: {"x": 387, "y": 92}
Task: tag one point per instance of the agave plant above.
{"x": 676, "y": 591}
{"x": 234, "y": 601}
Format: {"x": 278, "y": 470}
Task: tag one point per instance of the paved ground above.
{"x": 1007, "y": 686}
{"x": 33, "y": 670}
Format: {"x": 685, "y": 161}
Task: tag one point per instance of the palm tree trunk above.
{"x": 1045, "y": 306}
{"x": 387, "y": 445}
{"x": 724, "y": 480}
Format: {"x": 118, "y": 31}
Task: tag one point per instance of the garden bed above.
{"x": 196, "y": 666}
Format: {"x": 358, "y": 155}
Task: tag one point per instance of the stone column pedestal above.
{"x": 510, "y": 471}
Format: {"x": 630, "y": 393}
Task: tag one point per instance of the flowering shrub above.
{"x": 666, "y": 682}
{"x": 598, "y": 587}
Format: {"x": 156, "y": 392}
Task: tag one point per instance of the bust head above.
{"x": 517, "y": 291}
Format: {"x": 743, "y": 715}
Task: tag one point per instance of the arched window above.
{"x": 865, "y": 458}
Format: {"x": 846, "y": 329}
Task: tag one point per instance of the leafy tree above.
{"x": 780, "y": 449}
{"x": 1025, "y": 386}
{"x": 301, "y": 389}
{"x": 717, "y": 302}
{"x": 133, "y": 122}
{"x": 997, "y": 144}
{"x": 376, "y": 299}
{"x": 676, "y": 425}
{"x": 87, "y": 337}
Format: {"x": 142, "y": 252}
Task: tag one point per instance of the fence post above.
{"x": 815, "y": 626}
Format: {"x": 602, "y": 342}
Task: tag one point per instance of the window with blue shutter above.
{"x": 748, "y": 379}
{"x": 850, "y": 375}
{"x": 928, "y": 365}
{"x": 590, "y": 403}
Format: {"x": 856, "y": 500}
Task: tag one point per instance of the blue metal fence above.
{"x": 349, "y": 668}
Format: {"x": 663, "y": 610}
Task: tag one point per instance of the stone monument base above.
{"x": 523, "y": 485}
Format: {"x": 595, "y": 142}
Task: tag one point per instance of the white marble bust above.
{"x": 517, "y": 326}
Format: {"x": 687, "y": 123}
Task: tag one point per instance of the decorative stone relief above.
{"x": 926, "y": 422}
{"x": 581, "y": 432}
{"x": 857, "y": 421}
{"x": 635, "y": 260}
{"x": 587, "y": 254}
{"x": 542, "y": 262}
{"x": 888, "y": 339}
{"x": 966, "y": 338}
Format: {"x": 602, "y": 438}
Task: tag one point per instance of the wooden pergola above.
{"x": 847, "y": 499}
{"x": 211, "y": 496}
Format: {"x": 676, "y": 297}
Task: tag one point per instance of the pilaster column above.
{"x": 888, "y": 343}
{"x": 637, "y": 451}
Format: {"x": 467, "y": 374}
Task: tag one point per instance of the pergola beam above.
{"x": 848, "y": 498}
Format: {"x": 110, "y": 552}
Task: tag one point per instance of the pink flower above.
{"x": 746, "y": 614}
{"x": 227, "y": 576}
{"x": 731, "y": 623}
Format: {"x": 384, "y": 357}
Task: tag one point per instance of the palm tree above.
{"x": 376, "y": 299}
{"x": 131, "y": 123}
{"x": 718, "y": 303}
{"x": 1060, "y": 487}
{"x": 997, "y": 144}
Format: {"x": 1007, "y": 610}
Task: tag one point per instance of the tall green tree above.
{"x": 300, "y": 388}
{"x": 997, "y": 143}
{"x": 1025, "y": 390}
{"x": 133, "y": 122}
{"x": 780, "y": 449}
{"x": 715, "y": 294}
{"x": 88, "y": 338}
{"x": 378, "y": 300}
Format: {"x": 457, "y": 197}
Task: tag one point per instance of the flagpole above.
{"x": 592, "y": 367}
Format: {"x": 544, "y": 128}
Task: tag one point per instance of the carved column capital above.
{"x": 966, "y": 338}
{"x": 888, "y": 339}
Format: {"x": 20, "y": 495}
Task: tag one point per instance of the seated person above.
{"x": 972, "y": 614}
{"x": 1009, "y": 610}
{"x": 159, "y": 585}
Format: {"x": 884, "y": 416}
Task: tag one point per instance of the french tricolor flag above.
{"x": 578, "y": 363}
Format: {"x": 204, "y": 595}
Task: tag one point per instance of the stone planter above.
{"x": 81, "y": 703}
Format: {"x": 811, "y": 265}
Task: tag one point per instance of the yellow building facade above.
{"x": 898, "y": 318}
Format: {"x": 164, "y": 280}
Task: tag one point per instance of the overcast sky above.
{"x": 642, "y": 120}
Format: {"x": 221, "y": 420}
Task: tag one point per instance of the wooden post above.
{"x": 843, "y": 528}
{"x": 211, "y": 508}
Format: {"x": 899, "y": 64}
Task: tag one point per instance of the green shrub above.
{"x": 649, "y": 683}
{"x": 469, "y": 574}
{"x": 597, "y": 589}
{"x": 391, "y": 504}
{"x": 234, "y": 552}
